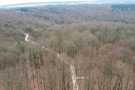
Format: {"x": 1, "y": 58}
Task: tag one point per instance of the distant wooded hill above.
{"x": 124, "y": 7}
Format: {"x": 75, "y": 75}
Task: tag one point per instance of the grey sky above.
{"x": 4, "y": 2}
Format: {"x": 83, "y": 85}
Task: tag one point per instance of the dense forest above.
{"x": 67, "y": 47}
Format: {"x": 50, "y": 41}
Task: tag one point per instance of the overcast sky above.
{"x": 4, "y": 2}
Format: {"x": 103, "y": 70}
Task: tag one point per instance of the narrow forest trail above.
{"x": 72, "y": 68}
